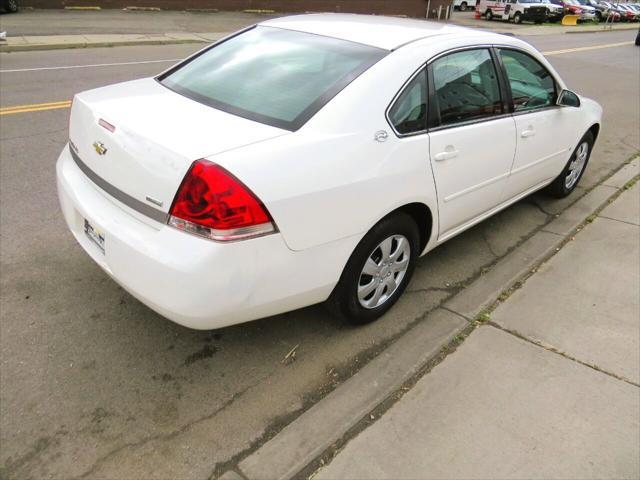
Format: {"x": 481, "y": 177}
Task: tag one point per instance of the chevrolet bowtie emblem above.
{"x": 100, "y": 148}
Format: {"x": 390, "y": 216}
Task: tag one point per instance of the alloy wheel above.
{"x": 384, "y": 271}
{"x": 577, "y": 165}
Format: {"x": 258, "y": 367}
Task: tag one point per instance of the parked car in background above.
{"x": 518, "y": 11}
{"x": 462, "y": 5}
{"x": 10, "y": 6}
{"x": 614, "y": 7}
{"x": 636, "y": 7}
{"x": 242, "y": 182}
{"x": 630, "y": 14}
{"x": 554, "y": 12}
{"x": 587, "y": 12}
{"x": 603, "y": 12}
{"x": 574, "y": 7}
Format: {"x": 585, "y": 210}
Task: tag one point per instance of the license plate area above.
{"x": 94, "y": 234}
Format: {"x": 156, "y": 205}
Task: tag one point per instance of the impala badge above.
{"x": 100, "y": 148}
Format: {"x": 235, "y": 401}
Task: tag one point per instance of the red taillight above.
{"x": 212, "y": 203}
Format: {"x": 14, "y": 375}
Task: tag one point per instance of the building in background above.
{"x": 409, "y": 8}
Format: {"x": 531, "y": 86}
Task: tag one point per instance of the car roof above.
{"x": 387, "y": 33}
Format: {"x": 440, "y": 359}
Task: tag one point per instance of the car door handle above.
{"x": 446, "y": 155}
{"x": 529, "y": 132}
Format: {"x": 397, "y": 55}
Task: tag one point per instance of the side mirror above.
{"x": 568, "y": 99}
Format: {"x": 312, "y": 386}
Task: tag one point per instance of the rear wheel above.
{"x": 463, "y": 7}
{"x": 488, "y": 14}
{"x": 568, "y": 179}
{"x": 517, "y": 18}
{"x": 378, "y": 271}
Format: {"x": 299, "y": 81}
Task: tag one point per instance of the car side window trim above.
{"x": 397, "y": 97}
{"x": 433, "y": 120}
{"x": 505, "y": 90}
{"x": 507, "y": 86}
{"x": 503, "y": 80}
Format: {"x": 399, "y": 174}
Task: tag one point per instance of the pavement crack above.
{"x": 542, "y": 210}
{"x": 554, "y": 350}
{"x": 489, "y": 246}
{"x": 164, "y": 436}
{"x": 450, "y": 289}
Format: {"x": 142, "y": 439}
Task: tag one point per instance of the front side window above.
{"x": 409, "y": 112}
{"x": 271, "y": 75}
{"x": 466, "y": 87}
{"x": 532, "y": 86}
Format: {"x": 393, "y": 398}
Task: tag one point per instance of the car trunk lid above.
{"x": 137, "y": 140}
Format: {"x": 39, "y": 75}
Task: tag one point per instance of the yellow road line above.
{"x": 584, "y": 49}
{"x": 35, "y": 107}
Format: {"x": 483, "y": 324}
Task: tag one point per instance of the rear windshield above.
{"x": 273, "y": 76}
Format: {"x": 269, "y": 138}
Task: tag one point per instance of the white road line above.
{"x": 67, "y": 67}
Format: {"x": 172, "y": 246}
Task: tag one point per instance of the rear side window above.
{"x": 271, "y": 75}
{"x": 532, "y": 86}
{"x": 466, "y": 87}
{"x": 409, "y": 112}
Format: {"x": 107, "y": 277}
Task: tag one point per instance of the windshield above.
{"x": 273, "y": 76}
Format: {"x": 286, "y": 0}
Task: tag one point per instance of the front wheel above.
{"x": 463, "y": 7}
{"x": 517, "y": 18}
{"x": 567, "y": 181}
{"x": 378, "y": 271}
{"x": 488, "y": 15}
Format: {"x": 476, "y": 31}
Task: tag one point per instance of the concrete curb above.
{"x": 304, "y": 440}
{"x": 621, "y": 28}
{"x": 124, "y": 43}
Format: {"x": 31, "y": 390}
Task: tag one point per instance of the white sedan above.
{"x": 312, "y": 158}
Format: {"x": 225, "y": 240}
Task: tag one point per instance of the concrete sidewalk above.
{"x": 546, "y": 387}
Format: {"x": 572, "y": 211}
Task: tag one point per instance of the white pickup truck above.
{"x": 537, "y": 11}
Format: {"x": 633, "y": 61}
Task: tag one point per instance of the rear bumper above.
{"x": 196, "y": 282}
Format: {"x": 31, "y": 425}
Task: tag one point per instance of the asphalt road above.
{"x": 94, "y": 384}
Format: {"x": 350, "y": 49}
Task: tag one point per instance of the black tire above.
{"x": 488, "y": 14}
{"x": 517, "y": 18}
{"x": 344, "y": 302}
{"x": 463, "y": 7}
{"x": 11, "y": 6}
{"x": 558, "y": 188}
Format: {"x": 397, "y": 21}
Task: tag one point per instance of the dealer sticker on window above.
{"x": 95, "y": 235}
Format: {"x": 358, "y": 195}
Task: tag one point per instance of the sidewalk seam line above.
{"x": 618, "y": 220}
{"x": 373, "y": 415}
{"x": 560, "y": 353}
